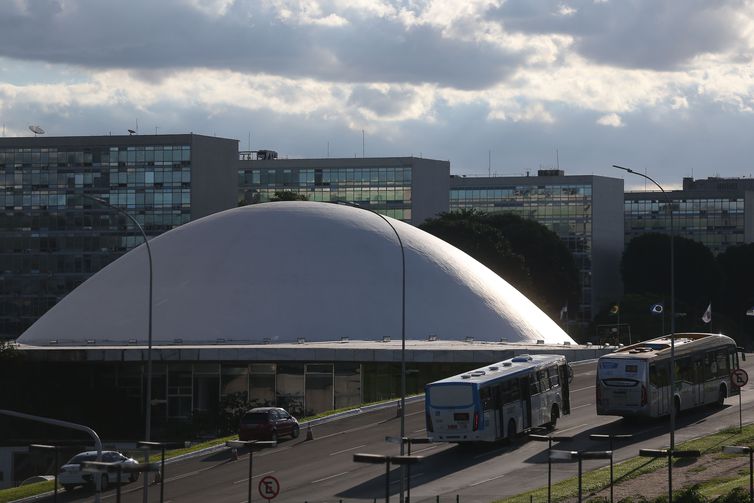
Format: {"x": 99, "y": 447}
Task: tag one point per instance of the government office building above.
{"x": 717, "y": 212}
{"x": 410, "y": 189}
{"x": 585, "y": 211}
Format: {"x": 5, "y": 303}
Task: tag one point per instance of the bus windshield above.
{"x": 451, "y": 395}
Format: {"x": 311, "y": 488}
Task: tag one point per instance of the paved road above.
{"x": 322, "y": 470}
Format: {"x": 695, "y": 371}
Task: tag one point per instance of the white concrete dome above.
{"x": 288, "y": 270}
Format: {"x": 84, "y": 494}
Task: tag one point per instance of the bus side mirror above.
{"x": 743, "y": 355}
{"x": 570, "y": 374}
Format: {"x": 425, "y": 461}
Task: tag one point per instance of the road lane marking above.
{"x": 573, "y": 427}
{"x": 415, "y": 451}
{"x": 349, "y": 449}
{"x": 419, "y": 431}
{"x": 580, "y": 406}
{"x": 414, "y": 413}
{"x": 254, "y": 477}
{"x": 328, "y": 478}
{"x": 486, "y": 480}
{"x": 582, "y": 389}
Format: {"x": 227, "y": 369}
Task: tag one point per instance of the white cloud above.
{"x": 612, "y": 120}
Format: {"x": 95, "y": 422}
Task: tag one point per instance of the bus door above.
{"x": 659, "y": 388}
{"x": 564, "y": 373}
{"x": 525, "y": 387}
{"x": 697, "y": 379}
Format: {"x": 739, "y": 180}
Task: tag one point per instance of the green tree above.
{"x": 645, "y": 268}
{"x": 288, "y": 195}
{"x": 553, "y": 271}
{"x": 8, "y": 351}
{"x": 525, "y": 253}
{"x": 737, "y": 295}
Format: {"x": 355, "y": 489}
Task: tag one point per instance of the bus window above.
{"x": 485, "y": 396}
{"x": 544, "y": 381}
{"x": 662, "y": 373}
{"x": 710, "y": 365}
{"x": 533, "y": 385}
{"x": 732, "y": 359}
{"x": 653, "y": 377}
{"x": 553, "y": 375}
{"x": 683, "y": 370}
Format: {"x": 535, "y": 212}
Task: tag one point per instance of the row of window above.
{"x": 513, "y": 389}
{"x": 96, "y": 156}
{"x": 555, "y": 192}
{"x": 325, "y": 177}
{"x": 695, "y": 369}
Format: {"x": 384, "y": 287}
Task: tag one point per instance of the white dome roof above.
{"x": 285, "y": 270}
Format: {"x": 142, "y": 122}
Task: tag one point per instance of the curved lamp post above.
{"x": 671, "y": 402}
{"x": 148, "y": 399}
{"x": 403, "y": 325}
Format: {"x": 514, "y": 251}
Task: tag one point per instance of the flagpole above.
{"x": 672, "y": 303}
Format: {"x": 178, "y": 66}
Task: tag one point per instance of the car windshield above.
{"x": 255, "y": 417}
{"x": 80, "y": 458}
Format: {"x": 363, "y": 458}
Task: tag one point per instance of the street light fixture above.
{"x": 610, "y": 437}
{"x": 669, "y": 203}
{"x": 739, "y": 449}
{"x": 236, "y": 444}
{"x": 387, "y": 460}
{"x": 670, "y": 454}
{"x": 581, "y": 455}
{"x": 403, "y": 323}
{"x": 55, "y": 468}
{"x": 549, "y": 439}
{"x": 148, "y": 399}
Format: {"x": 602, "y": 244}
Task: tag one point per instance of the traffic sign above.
{"x": 269, "y": 487}
{"x": 739, "y": 378}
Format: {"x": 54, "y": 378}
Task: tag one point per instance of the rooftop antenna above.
{"x": 137, "y": 126}
{"x": 36, "y": 130}
{"x": 489, "y": 163}
{"x": 557, "y": 159}
{"x": 328, "y": 149}
{"x": 362, "y": 144}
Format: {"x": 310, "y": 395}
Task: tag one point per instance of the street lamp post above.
{"x": 671, "y": 402}
{"x": 549, "y": 439}
{"x": 148, "y": 399}
{"x": 387, "y": 460}
{"x": 54, "y": 448}
{"x": 235, "y": 444}
{"x": 403, "y": 326}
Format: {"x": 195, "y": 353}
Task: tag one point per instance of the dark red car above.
{"x": 267, "y": 423}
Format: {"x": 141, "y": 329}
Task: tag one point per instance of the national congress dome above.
{"x": 277, "y": 272}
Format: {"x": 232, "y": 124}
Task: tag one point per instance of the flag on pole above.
{"x": 564, "y": 312}
{"x": 707, "y": 316}
{"x": 656, "y": 309}
{"x": 750, "y": 311}
{"x": 614, "y": 309}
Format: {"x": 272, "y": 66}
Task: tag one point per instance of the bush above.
{"x": 737, "y": 495}
{"x": 690, "y": 495}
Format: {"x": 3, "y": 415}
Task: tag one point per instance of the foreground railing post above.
{"x": 611, "y": 437}
{"x": 549, "y": 439}
{"x": 670, "y": 453}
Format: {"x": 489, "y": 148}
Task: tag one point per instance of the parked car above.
{"x": 267, "y": 423}
{"x": 71, "y": 474}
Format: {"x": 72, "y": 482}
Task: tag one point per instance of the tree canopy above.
{"x": 645, "y": 268}
{"x": 523, "y": 252}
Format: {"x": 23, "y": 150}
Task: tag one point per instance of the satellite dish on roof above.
{"x": 131, "y": 131}
{"x": 36, "y": 130}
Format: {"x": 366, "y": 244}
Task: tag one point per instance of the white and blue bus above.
{"x": 635, "y": 380}
{"x": 498, "y": 401}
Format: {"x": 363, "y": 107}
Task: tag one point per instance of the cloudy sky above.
{"x": 500, "y": 86}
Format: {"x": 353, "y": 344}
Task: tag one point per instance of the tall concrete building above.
{"x": 410, "y": 189}
{"x": 585, "y": 211}
{"x": 52, "y": 238}
{"x": 718, "y": 212}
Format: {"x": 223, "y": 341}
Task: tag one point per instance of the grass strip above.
{"x": 597, "y": 480}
